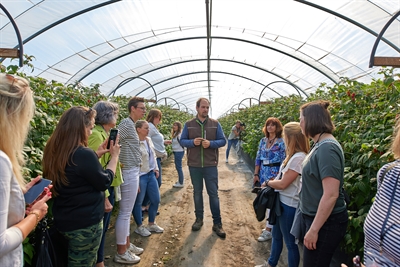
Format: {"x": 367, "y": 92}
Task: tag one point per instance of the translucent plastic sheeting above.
{"x": 296, "y": 45}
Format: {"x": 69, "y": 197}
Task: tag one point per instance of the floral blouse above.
{"x": 274, "y": 154}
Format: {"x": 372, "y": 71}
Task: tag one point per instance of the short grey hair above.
{"x": 107, "y": 112}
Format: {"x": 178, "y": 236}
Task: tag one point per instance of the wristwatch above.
{"x": 256, "y": 174}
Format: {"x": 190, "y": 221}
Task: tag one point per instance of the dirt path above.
{"x": 179, "y": 246}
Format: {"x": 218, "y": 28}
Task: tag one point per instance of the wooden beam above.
{"x": 387, "y": 61}
{"x": 9, "y": 52}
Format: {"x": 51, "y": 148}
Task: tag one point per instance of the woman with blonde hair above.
{"x": 16, "y": 110}
{"x": 148, "y": 185}
{"x": 382, "y": 226}
{"x": 288, "y": 184}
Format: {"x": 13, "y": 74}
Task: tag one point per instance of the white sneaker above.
{"x": 177, "y": 184}
{"x": 265, "y": 236}
{"x": 155, "y": 228}
{"x": 226, "y": 161}
{"x": 265, "y": 264}
{"x": 141, "y": 230}
{"x": 126, "y": 258}
{"x": 135, "y": 250}
{"x": 240, "y": 160}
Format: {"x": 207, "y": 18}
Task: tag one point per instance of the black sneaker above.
{"x": 217, "y": 228}
{"x": 197, "y": 224}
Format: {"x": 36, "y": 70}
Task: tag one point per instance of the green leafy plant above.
{"x": 364, "y": 116}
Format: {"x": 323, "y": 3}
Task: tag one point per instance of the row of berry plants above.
{"x": 364, "y": 116}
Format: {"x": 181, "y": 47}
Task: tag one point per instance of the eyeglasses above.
{"x": 142, "y": 108}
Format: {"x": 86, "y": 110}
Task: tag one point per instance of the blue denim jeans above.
{"x": 329, "y": 237}
{"x": 178, "y": 164}
{"x": 210, "y": 176}
{"x": 280, "y": 233}
{"x": 230, "y": 143}
{"x": 106, "y": 222}
{"x": 148, "y": 186}
{"x": 146, "y": 200}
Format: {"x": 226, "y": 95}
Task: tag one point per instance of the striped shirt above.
{"x": 130, "y": 156}
{"x": 375, "y": 228}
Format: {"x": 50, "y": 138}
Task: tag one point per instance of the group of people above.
{"x": 89, "y": 173}
{"x": 310, "y": 186}
{"x": 311, "y": 195}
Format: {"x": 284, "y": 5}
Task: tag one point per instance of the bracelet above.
{"x": 37, "y": 217}
{"x": 266, "y": 183}
{"x": 256, "y": 174}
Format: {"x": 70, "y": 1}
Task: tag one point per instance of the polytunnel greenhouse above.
{"x": 254, "y": 60}
{"x": 236, "y": 53}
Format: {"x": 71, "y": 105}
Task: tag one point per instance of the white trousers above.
{"x": 129, "y": 190}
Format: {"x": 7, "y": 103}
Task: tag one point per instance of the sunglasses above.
{"x": 11, "y": 78}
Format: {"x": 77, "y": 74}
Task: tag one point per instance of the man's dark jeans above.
{"x": 210, "y": 176}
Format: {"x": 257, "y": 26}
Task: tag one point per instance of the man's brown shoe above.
{"x": 217, "y": 228}
{"x": 197, "y": 224}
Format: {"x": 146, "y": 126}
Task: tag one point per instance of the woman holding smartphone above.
{"x": 79, "y": 182}
{"x": 106, "y": 120}
{"x": 16, "y": 110}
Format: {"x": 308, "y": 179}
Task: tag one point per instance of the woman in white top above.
{"x": 288, "y": 186}
{"x": 16, "y": 110}
{"x": 154, "y": 118}
{"x": 147, "y": 183}
{"x": 178, "y": 151}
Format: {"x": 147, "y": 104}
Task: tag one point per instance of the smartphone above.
{"x": 36, "y": 190}
{"x": 113, "y": 137}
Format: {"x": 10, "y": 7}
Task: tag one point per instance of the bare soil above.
{"x": 179, "y": 246}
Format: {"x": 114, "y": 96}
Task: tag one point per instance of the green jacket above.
{"x": 97, "y": 137}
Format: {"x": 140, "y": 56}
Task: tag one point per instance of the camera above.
{"x": 243, "y": 124}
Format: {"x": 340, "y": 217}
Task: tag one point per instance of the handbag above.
{"x": 51, "y": 246}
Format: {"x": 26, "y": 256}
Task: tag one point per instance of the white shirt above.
{"x": 176, "y": 147}
{"x": 12, "y": 210}
{"x": 157, "y": 138}
{"x": 290, "y": 195}
{"x": 148, "y": 157}
{"x": 232, "y": 134}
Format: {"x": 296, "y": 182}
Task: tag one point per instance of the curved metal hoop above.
{"x": 129, "y": 80}
{"x": 295, "y": 87}
{"x": 246, "y": 99}
{"x": 378, "y": 39}
{"x": 165, "y": 98}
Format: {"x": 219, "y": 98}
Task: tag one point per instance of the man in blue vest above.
{"x": 203, "y": 136}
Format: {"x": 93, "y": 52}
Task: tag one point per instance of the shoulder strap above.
{"x": 332, "y": 141}
{"x": 179, "y": 141}
{"x": 383, "y": 174}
